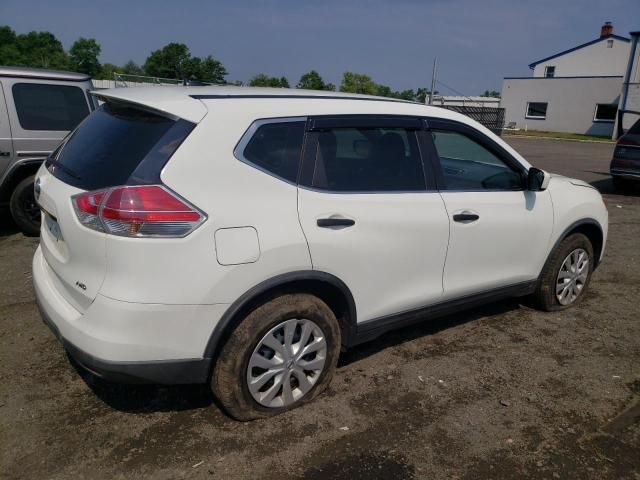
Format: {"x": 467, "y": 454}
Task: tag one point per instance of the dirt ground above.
{"x": 503, "y": 391}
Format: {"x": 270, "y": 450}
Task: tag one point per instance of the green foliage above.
{"x": 175, "y": 61}
{"x": 84, "y": 54}
{"x": 313, "y": 81}
{"x": 33, "y": 49}
{"x": 262, "y": 80}
{"x": 358, "y": 83}
{"x": 208, "y": 69}
{"x": 107, "y": 71}
{"x": 9, "y": 53}
{"x": 491, "y": 93}
{"x": 171, "y": 61}
{"x": 132, "y": 68}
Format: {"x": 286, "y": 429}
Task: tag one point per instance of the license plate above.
{"x": 53, "y": 227}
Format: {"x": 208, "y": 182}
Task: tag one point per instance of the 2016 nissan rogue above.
{"x": 243, "y": 237}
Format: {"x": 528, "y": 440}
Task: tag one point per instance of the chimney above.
{"x": 606, "y": 30}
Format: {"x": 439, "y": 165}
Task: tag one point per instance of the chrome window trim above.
{"x": 246, "y": 137}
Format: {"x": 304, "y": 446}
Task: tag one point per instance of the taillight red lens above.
{"x": 89, "y": 202}
{"x": 138, "y": 211}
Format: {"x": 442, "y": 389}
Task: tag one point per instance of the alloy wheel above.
{"x": 286, "y": 363}
{"x": 572, "y": 276}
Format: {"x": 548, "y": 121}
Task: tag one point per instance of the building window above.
{"x": 536, "y": 110}
{"x": 610, "y": 43}
{"x": 550, "y": 72}
{"x": 605, "y": 112}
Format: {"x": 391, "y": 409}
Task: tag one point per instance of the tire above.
{"x": 545, "y": 294}
{"x": 231, "y": 374}
{"x": 24, "y": 209}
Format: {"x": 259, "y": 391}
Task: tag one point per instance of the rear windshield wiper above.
{"x": 65, "y": 169}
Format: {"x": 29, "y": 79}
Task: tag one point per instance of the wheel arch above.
{"x": 325, "y": 286}
{"x": 17, "y": 172}
{"x": 590, "y": 228}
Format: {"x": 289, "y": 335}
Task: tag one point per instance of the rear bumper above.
{"x": 129, "y": 342}
{"x": 165, "y": 372}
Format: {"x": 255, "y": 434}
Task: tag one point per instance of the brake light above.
{"x": 137, "y": 211}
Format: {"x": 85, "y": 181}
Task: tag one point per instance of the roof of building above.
{"x": 25, "y": 72}
{"x": 592, "y": 42}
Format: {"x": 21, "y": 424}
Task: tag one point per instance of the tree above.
{"x": 171, "y": 61}
{"x": 107, "y": 71}
{"x": 9, "y": 53}
{"x": 491, "y": 93}
{"x": 313, "y": 81}
{"x": 207, "y": 69}
{"x": 423, "y": 93}
{"x": 132, "y": 68}
{"x": 175, "y": 61}
{"x": 358, "y": 83}
{"x": 41, "y": 49}
{"x": 84, "y": 55}
{"x": 263, "y": 80}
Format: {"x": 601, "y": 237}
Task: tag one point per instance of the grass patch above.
{"x": 562, "y": 135}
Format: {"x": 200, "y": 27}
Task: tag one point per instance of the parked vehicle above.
{"x": 38, "y": 108}
{"x": 625, "y": 165}
{"x": 244, "y": 237}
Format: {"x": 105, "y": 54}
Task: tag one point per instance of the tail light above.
{"x": 137, "y": 211}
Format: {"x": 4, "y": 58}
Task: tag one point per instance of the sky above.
{"x": 477, "y": 42}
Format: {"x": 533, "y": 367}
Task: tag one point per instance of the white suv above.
{"x": 243, "y": 237}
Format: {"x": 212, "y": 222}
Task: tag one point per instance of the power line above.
{"x": 453, "y": 90}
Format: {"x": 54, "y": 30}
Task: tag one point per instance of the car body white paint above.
{"x": 149, "y": 299}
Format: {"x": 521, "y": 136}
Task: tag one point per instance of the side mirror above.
{"x": 537, "y": 180}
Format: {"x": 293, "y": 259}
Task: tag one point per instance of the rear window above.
{"x": 49, "y": 107}
{"x": 118, "y": 145}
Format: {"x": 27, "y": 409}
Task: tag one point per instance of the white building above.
{"x": 577, "y": 90}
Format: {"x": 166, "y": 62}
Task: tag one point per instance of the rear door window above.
{"x": 368, "y": 160}
{"x": 114, "y": 144}
{"x": 49, "y": 107}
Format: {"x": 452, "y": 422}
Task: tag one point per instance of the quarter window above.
{"x": 276, "y": 148}
{"x": 605, "y": 112}
{"x": 49, "y": 107}
{"x": 537, "y": 110}
{"x": 368, "y": 160}
{"x": 467, "y": 165}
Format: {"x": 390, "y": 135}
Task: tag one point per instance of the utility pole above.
{"x": 433, "y": 80}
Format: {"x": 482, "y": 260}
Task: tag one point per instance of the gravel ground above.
{"x": 502, "y": 391}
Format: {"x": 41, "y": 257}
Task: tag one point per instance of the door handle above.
{"x": 465, "y": 217}
{"x": 5, "y": 154}
{"x": 335, "y": 222}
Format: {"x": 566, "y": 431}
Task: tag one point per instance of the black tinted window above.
{"x": 368, "y": 160}
{"x": 276, "y": 148}
{"x": 109, "y": 145}
{"x": 467, "y": 165}
{"x": 49, "y": 107}
{"x": 536, "y": 110}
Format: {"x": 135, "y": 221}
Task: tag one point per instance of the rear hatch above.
{"x": 119, "y": 144}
